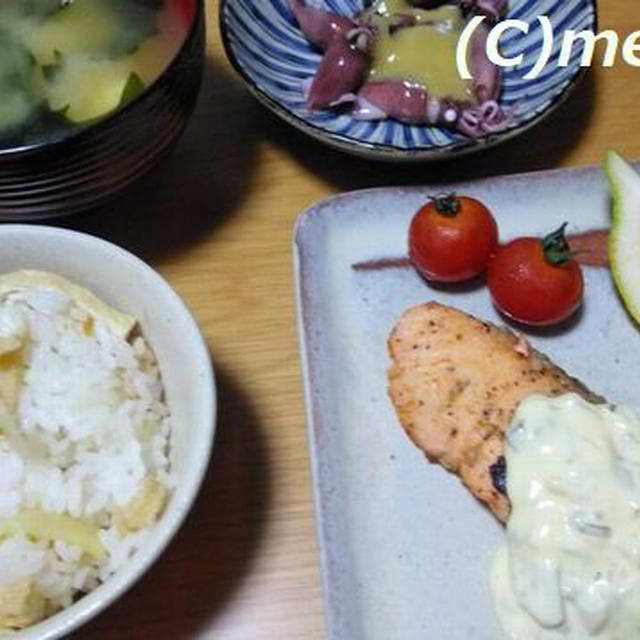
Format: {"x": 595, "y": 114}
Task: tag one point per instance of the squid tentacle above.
{"x": 413, "y": 105}
{"x": 361, "y": 38}
{"x": 483, "y": 119}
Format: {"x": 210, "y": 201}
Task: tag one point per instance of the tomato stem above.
{"x": 556, "y": 248}
{"x": 447, "y": 204}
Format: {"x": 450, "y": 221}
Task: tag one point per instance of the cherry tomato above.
{"x": 451, "y": 238}
{"x": 536, "y": 280}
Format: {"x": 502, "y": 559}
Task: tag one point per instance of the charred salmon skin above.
{"x": 455, "y": 383}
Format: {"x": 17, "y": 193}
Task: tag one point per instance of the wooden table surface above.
{"x": 215, "y": 218}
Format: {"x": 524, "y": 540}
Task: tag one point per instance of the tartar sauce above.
{"x": 570, "y": 565}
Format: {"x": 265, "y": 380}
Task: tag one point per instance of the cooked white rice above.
{"x": 87, "y": 439}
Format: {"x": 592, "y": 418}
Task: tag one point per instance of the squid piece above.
{"x": 401, "y": 101}
{"x": 342, "y": 71}
{"x": 320, "y": 27}
{"x": 486, "y": 75}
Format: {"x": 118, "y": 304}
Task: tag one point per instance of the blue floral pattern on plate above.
{"x": 270, "y": 52}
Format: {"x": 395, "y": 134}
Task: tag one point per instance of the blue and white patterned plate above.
{"x": 269, "y": 51}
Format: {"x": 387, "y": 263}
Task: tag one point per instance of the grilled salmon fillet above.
{"x": 455, "y": 383}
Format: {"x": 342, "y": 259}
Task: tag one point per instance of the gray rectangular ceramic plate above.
{"x": 404, "y": 546}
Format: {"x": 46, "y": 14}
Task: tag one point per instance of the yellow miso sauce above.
{"x": 423, "y": 55}
{"x": 76, "y": 61}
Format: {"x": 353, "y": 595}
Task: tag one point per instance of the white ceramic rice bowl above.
{"x": 130, "y": 285}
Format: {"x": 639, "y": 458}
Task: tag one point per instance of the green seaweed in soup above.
{"x": 67, "y": 63}
{"x": 40, "y": 9}
{"x": 19, "y": 86}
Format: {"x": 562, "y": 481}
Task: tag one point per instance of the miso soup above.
{"x": 67, "y": 63}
